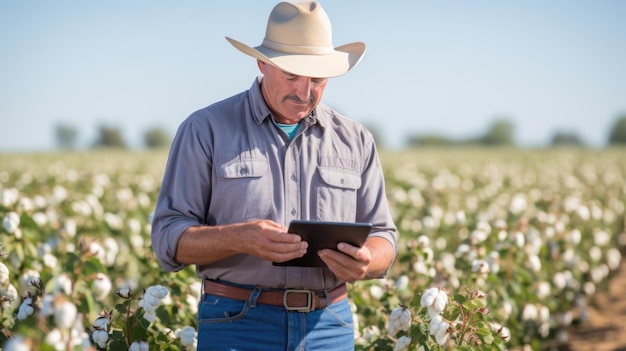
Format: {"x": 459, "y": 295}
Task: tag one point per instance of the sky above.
{"x": 431, "y": 67}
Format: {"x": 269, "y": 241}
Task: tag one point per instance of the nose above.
{"x": 303, "y": 88}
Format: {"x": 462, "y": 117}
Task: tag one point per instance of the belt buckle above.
{"x": 309, "y": 297}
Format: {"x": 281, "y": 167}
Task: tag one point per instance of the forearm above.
{"x": 202, "y": 245}
{"x": 383, "y": 254}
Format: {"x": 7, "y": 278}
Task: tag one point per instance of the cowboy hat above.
{"x": 298, "y": 40}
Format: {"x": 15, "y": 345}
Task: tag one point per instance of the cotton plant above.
{"x": 433, "y": 321}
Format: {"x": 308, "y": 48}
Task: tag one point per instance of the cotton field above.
{"x": 499, "y": 249}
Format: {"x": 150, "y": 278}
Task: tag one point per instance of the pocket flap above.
{"x": 243, "y": 169}
{"x": 340, "y": 179}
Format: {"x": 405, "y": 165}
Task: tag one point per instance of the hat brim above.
{"x": 342, "y": 60}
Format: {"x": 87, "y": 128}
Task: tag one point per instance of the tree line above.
{"x": 500, "y": 133}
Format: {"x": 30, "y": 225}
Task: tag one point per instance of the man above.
{"x": 241, "y": 169}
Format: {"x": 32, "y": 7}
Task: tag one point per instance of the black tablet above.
{"x": 325, "y": 235}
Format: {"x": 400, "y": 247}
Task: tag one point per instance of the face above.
{"x": 290, "y": 97}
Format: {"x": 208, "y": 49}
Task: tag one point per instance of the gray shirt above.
{"x": 231, "y": 163}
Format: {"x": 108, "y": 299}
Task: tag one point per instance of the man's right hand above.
{"x": 265, "y": 239}
{"x": 269, "y": 240}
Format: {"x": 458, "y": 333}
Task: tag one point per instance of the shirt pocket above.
{"x": 244, "y": 190}
{"x": 337, "y": 194}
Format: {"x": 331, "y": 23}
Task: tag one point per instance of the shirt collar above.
{"x": 260, "y": 110}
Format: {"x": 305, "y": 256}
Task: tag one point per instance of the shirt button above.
{"x": 293, "y": 212}
{"x": 243, "y": 171}
{"x": 341, "y": 181}
{"x": 293, "y": 177}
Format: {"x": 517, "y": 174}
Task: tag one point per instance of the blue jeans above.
{"x": 228, "y": 324}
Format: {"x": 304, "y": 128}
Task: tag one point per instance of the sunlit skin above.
{"x": 290, "y": 97}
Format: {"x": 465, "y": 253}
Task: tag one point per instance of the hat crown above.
{"x": 299, "y": 28}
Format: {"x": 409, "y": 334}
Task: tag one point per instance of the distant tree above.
{"x": 501, "y": 132}
{"x": 566, "y": 139}
{"x": 429, "y": 140}
{"x": 618, "y": 132}
{"x": 66, "y": 136}
{"x": 109, "y": 137}
{"x": 155, "y": 138}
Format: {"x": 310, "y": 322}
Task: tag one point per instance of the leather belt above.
{"x": 290, "y": 299}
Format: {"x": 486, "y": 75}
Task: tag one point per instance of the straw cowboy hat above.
{"x": 298, "y": 40}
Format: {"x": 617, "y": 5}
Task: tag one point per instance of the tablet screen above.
{"x": 325, "y": 235}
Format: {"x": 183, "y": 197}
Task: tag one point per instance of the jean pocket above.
{"x": 215, "y": 309}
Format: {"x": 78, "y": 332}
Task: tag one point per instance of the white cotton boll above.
{"x": 462, "y": 250}
{"x": 589, "y": 288}
{"x": 583, "y": 212}
{"x": 519, "y": 239}
{"x": 435, "y": 299}
{"x": 46, "y": 309}
{"x": 54, "y": 338}
{"x": 518, "y": 204}
{"x": 112, "y": 249}
{"x": 399, "y": 320}
{"x": 152, "y": 300}
{"x": 4, "y": 275}
{"x": 195, "y": 289}
{"x": 613, "y": 258}
{"x": 601, "y": 237}
{"x": 478, "y": 236}
{"x": 101, "y": 286}
{"x": 505, "y": 310}
{"x": 503, "y": 332}
{"x": 480, "y": 267}
{"x": 49, "y": 260}
{"x": 26, "y": 309}
{"x": 40, "y": 219}
{"x": 574, "y": 237}
{"x": 402, "y": 283}
{"x": 26, "y": 282}
{"x": 69, "y": 227}
{"x": 124, "y": 292}
{"x": 187, "y": 336}
{"x": 529, "y": 312}
{"x": 11, "y": 222}
{"x": 559, "y": 280}
{"x": 376, "y": 292}
{"x": 534, "y": 263}
{"x": 595, "y": 254}
{"x": 17, "y": 343}
{"x": 439, "y": 328}
{"x": 157, "y": 291}
{"x": 134, "y": 226}
{"x": 423, "y": 241}
{"x": 98, "y": 251}
{"x": 63, "y": 284}
{"x": 138, "y": 346}
{"x": 27, "y": 205}
{"x": 101, "y": 323}
{"x": 403, "y": 343}
{"x": 371, "y": 332}
{"x": 100, "y": 337}
{"x": 192, "y": 303}
{"x": 543, "y": 290}
{"x": 146, "y": 306}
{"x": 64, "y": 314}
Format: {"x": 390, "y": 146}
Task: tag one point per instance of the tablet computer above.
{"x": 325, "y": 235}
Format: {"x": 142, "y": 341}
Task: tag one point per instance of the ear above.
{"x": 261, "y": 65}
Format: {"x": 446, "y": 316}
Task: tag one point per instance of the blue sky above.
{"x": 447, "y": 67}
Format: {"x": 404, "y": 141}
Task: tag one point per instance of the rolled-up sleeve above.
{"x": 372, "y": 204}
{"x": 184, "y": 193}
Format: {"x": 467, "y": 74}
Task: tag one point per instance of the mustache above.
{"x": 297, "y": 99}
